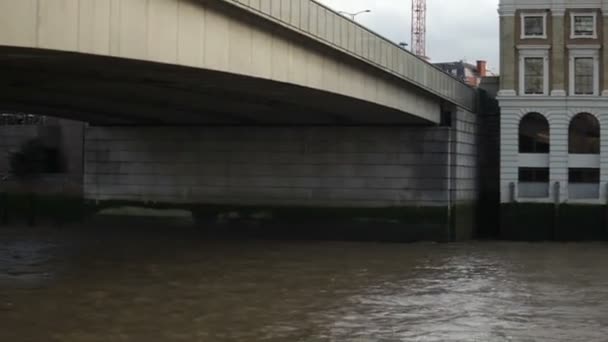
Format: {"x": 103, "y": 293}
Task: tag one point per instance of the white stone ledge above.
{"x": 533, "y": 160}
{"x": 584, "y": 161}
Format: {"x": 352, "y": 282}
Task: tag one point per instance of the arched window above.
{"x": 534, "y": 134}
{"x": 584, "y": 135}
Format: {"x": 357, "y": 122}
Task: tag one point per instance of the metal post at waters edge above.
{"x": 556, "y": 202}
{"x": 506, "y": 226}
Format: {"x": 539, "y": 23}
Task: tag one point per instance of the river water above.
{"x": 63, "y": 285}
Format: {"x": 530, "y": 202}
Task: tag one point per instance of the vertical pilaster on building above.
{"x": 605, "y": 55}
{"x": 558, "y": 157}
{"x": 603, "y": 117}
{"x": 558, "y": 54}
{"x": 509, "y": 152}
{"x": 507, "y": 54}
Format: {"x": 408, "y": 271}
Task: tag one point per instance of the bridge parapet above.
{"x": 319, "y": 22}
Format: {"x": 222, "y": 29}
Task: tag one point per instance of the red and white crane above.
{"x": 419, "y": 27}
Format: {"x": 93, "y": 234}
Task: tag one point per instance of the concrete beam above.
{"x": 211, "y": 36}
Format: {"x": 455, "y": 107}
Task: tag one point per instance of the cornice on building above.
{"x": 510, "y": 101}
{"x": 533, "y": 47}
{"x": 583, "y": 46}
{"x": 557, "y": 7}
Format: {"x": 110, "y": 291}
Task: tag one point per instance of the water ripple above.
{"x": 72, "y": 287}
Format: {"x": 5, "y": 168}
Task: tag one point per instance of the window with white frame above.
{"x": 584, "y": 71}
{"x": 533, "y": 69}
{"x": 583, "y": 25}
{"x": 583, "y": 76}
{"x": 534, "y": 75}
{"x": 534, "y": 134}
{"x": 534, "y": 25}
{"x": 584, "y": 134}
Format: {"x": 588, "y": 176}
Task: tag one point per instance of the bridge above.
{"x": 220, "y": 62}
{"x": 240, "y": 101}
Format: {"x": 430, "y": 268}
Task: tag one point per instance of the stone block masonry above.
{"x": 319, "y": 167}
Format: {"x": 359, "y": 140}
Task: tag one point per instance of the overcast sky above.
{"x": 456, "y": 29}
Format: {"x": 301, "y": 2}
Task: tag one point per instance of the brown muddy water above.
{"x": 95, "y": 285}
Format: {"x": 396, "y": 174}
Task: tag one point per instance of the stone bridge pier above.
{"x": 409, "y": 182}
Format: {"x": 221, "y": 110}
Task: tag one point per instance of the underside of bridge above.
{"x": 113, "y": 91}
{"x": 255, "y": 142}
{"x": 222, "y": 107}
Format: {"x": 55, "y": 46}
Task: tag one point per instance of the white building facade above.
{"x": 554, "y": 101}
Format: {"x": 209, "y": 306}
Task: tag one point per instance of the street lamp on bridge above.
{"x": 352, "y": 16}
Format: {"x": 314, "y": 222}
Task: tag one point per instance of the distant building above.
{"x": 469, "y": 73}
{"x": 554, "y": 101}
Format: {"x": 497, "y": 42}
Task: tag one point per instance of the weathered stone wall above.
{"x": 333, "y": 166}
{"x": 312, "y": 167}
{"x": 464, "y": 155}
{"x": 464, "y": 175}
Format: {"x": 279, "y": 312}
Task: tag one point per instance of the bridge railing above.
{"x": 318, "y": 21}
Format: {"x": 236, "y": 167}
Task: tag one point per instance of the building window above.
{"x": 584, "y": 71}
{"x": 584, "y": 76}
{"x": 534, "y": 175}
{"x": 584, "y": 135}
{"x": 534, "y": 134}
{"x": 534, "y": 75}
{"x": 533, "y": 182}
{"x": 583, "y": 176}
{"x": 584, "y": 183}
{"x": 534, "y": 26}
{"x": 533, "y": 69}
{"x": 583, "y": 25}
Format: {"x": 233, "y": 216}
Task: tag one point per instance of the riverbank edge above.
{"x": 549, "y": 222}
{"x": 395, "y": 224}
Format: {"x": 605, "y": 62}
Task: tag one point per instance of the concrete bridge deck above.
{"x": 212, "y": 62}
{"x": 323, "y": 24}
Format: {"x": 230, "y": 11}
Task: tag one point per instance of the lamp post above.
{"x": 352, "y": 16}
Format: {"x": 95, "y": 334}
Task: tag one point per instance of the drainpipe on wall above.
{"x": 556, "y": 192}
